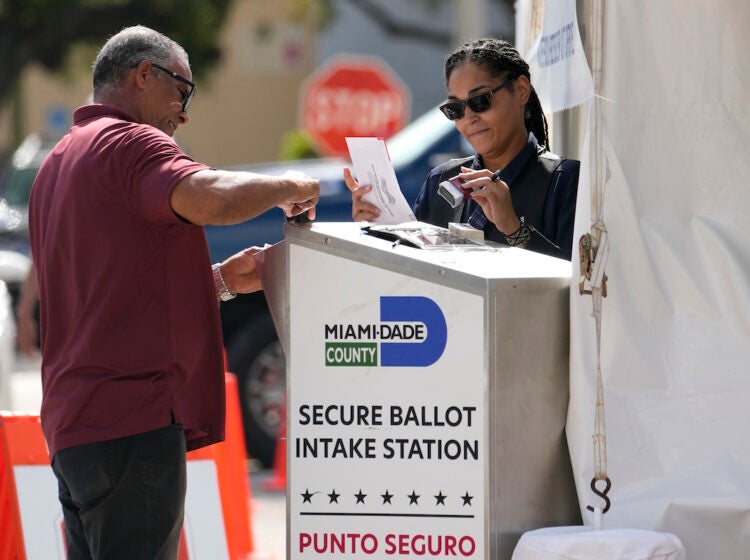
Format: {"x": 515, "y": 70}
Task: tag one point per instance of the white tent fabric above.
{"x": 584, "y": 543}
{"x": 676, "y": 321}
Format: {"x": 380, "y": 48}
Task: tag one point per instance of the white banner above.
{"x": 557, "y": 63}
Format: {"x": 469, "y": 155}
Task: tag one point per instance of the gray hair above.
{"x": 127, "y": 49}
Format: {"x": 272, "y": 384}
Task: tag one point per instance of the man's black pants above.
{"x": 124, "y": 498}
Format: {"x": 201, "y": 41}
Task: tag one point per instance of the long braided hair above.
{"x": 496, "y": 57}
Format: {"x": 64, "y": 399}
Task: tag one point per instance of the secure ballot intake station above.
{"x": 427, "y": 393}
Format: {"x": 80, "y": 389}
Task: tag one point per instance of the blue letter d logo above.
{"x": 415, "y": 309}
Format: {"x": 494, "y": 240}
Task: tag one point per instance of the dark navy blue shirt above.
{"x": 553, "y": 235}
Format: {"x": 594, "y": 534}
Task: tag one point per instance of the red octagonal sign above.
{"x": 353, "y": 96}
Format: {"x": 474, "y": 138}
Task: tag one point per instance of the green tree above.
{"x": 43, "y": 31}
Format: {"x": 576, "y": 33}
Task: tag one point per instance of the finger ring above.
{"x": 496, "y": 176}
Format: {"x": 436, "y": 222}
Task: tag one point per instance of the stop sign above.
{"x": 352, "y": 96}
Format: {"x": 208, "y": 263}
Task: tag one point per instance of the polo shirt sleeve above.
{"x": 151, "y": 164}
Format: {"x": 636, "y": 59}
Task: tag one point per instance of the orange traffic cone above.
{"x": 278, "y": 480}
{"x": 21, "y": 443}
{"x": 231, "y": 468}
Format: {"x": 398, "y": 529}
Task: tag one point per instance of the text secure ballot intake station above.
{"x": 412, "y": 395}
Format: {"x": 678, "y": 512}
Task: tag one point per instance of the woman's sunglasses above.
{"x": 478, "y": 103}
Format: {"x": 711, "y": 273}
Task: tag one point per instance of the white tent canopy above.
{"x": 674, "y": 122}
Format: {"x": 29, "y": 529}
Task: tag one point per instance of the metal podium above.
{"x": 427, "y": 393}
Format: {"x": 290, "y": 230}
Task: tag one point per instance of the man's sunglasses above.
{"x": 187, "y": 96}
{"x": 478, "y": 103}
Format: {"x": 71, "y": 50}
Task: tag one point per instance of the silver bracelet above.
{"x": 220, "y": 286}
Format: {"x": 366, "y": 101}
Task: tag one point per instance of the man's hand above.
{"x": 239, "y": 272}
{"x": 308, "y": 193}
{"x": 361, "y": 211}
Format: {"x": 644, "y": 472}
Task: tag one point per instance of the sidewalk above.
{"x": 268, "y": 517}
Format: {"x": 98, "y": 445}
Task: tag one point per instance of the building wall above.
{"x": 251, "y": 99}
{"x": 240, "y": 112}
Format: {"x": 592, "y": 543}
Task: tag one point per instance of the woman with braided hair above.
{"x": 513, "y": 188}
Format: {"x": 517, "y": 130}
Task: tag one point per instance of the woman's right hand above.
{"x": 361, "y": 211}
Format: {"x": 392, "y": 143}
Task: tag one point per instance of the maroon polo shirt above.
{"x": 130, "y": 330}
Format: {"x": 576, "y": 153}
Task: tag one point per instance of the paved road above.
{"x": 268, "y": 518}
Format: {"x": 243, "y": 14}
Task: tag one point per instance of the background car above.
{"x": 253, "y": 350}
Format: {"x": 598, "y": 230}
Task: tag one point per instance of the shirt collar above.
{"x": 511, "y": 171}
{"x": 99, "y": 110}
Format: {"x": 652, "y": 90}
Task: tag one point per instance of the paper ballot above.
{"x": 373, "y": 167}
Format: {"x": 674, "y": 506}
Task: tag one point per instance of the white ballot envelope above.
{"x": 372, "y": 166}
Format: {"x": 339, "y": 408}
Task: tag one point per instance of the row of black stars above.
{"x": 333, "y": 497}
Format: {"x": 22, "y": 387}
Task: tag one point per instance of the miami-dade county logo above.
{"x": 412, "y": 333}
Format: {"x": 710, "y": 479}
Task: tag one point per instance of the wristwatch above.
{"x": 220, "y": 286}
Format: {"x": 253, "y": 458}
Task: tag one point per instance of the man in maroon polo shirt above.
{"x": 132, "y": 370}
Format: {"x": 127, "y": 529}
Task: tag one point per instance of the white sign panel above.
{"x": 204, "y": 535}
{"x": 40, "y": 511}
{"x": 386, "y": 432}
